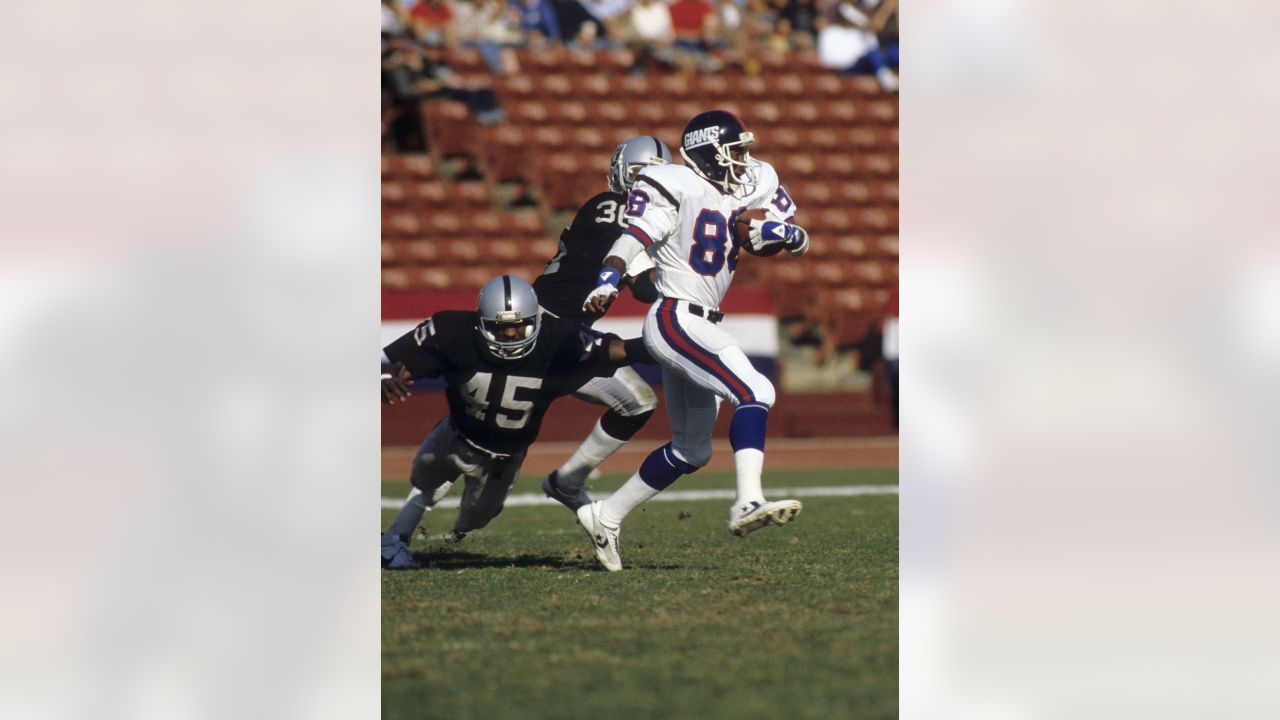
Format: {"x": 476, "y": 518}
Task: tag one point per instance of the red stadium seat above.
{"x": 595, "y": 85}
{"x": 393, "y": 193}
{"x": 887, "y": 246}
{"x": 430, "y": 193}
{"x": 396, "y": 278}
{"x": 515, "y": 87}
{"x": 713, "y": 88}
{"x": 417, "y": 167}
{"x": 431, "y": 278}
{"x": 393, "y": 252}
{"x": 852, "y": 246}
{"x": 752, "y": 88}
{"x": 852, "y": 192}
{"x": 823, "y": 139}
{"x": 400, "y": 224}
{"x": 841, "y": 112}
{"x": 443, "y": 224}
{"x": 768, "y": 113}
{"x": 451, "y": 130}
{"x": 837, "y": 165}
{"x": 525, "y": 222}
{"x": 611, "y": 112}
{"x": 582, "y": 61}
{"x": 422, "y": 252}
{"x": 824, "y": 85}
{"x": 555, "y": 85}
{"x": 505, "y": 152}
{"x": 483, "y": 224}
{"x": 649, "y": 112}
{"x": 466, "y": 60}
{"x": 549, "y": 138}
{"x": 616, "y": 61}
{"x": 528, "y": 112}
{"x": 469, "y": 195}
{"x": 782, "y": 138}
{"x": 570, "y": 112}
{"x": 676, "y": 87}
{"x": 884, "y": 111}
{"x": 787, "y": 86}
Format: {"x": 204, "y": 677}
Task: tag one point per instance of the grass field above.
{"x": 519, "y": 621}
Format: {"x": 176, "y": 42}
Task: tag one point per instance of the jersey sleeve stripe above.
{"x": 639, "y": 234}
{"x": 661, "y": 190}
{"x": 680, "y": 341}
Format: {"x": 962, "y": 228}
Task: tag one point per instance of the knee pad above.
{"x": 624, "y": 427}
{"x": 697, "y": 455}
{"x": 639, "y": 399}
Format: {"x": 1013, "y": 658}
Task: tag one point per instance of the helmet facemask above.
{"x": 508, "y": 345}
{"x": 736, "y": 173}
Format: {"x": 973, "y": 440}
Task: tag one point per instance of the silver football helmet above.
{"x": 631, "y": 156}
{"x": 506, "y": 302}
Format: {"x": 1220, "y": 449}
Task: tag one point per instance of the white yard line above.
{"x": 674, "y": 495}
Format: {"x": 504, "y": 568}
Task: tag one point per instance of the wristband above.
{"x": 609, "y": 276}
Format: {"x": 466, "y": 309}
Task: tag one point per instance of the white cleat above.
{"x": 746, "y": 519}
{"x": 396, "y": 555}
{"x": 603, "y": 537}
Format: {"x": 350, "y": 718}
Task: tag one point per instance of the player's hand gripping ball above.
{"x": 742, "y": 233}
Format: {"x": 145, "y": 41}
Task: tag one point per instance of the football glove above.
{"x": 768, "y": 233}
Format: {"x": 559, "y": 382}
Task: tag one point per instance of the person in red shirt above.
{"x": 433, "y": 21}
{"x": 688, "y": 18}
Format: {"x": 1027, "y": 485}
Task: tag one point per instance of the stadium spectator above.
{"x": 689, "y": 19}
{"x": 493, "y": 28}
{"x": 848, "y": 43}
{"x": 651, "y": 23}
{"x": 394, "y": 18}
{"x": 611, "y": 14}
{"x": 411, "y": 76}
{"x": 802, "y": 15}
{"x": 433, "y": 22}
{"x": 890, "y": 350}
{"x": 570, "y": 14}
{"x": 538, "y": 20}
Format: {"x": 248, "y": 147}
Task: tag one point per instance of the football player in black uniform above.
{"x": 568, "y": 277}
{"x": 503, "y": 364}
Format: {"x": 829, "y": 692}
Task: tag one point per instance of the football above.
{"x": 742, "y": 225}
{"x": 742, "y": 233}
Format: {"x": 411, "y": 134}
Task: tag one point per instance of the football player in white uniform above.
{"x": 684, "y": 216}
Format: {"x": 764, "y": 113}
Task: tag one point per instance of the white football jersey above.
{"x": 685, "y": 224}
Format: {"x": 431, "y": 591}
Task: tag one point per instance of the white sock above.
{"x": 409, "y": 516}
{"x": 749, "y": 464}
{"x": 633, "y": 493}
{"x": 598, "y": 446}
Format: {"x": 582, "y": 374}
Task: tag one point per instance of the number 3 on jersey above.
{"x": 711, "y": 244}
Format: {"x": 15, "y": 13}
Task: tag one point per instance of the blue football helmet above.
{"x": 714, "y": 146}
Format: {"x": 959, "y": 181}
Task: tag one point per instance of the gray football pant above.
{"x": 444, "y": 456}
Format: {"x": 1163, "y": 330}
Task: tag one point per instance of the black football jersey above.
{"x": 571, "y": 275}
{"x": 499, "y": 404}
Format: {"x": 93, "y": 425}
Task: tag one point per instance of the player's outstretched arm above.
{"x": 606, "y": 285}
{"x": 628, "y": 352}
